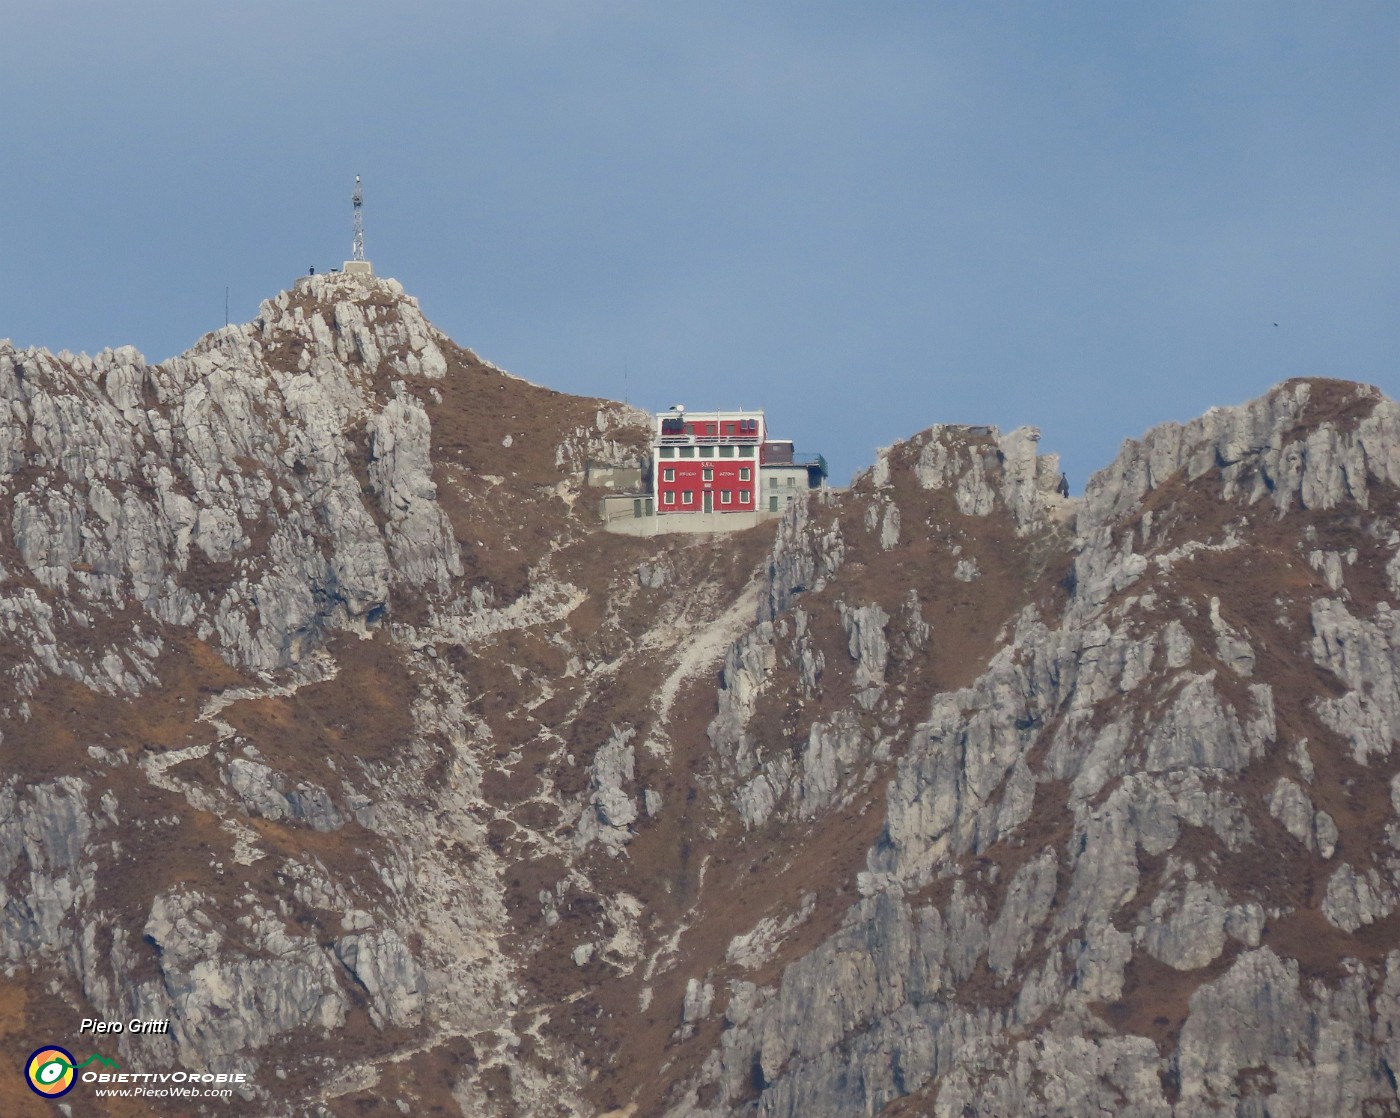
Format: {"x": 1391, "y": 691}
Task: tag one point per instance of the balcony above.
{"x": 707, "y": 440}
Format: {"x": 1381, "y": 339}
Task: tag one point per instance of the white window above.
{"x": 668, "y": 475}
{"x": 707, "y": 474}
{"x": 707, "y": 452}
{"x": 743, "y": 496}
{"x": 724, "y": 496}
{"x": 792, "y": 482}
{"x": 743, "y": 473}
{"x": 669, "y": 498}
{"x": 772, "y": 483}
{"x": 687, "y": 497}
{"x": 668, "y": 452}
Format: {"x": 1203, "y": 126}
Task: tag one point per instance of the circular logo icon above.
{"x": 50, "y": 1071}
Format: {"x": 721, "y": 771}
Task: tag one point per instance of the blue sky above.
{"x": 865, "y": 218}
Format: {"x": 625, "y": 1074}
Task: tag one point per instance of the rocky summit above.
{"x": 337, "y": 734}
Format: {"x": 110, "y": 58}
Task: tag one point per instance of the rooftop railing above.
{"x": 707, "y": 440}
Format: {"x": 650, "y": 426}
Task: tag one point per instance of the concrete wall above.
{"x": 627, "y": 478}
{"x": 692, "y": 522}
{"x": 623, "y": 506}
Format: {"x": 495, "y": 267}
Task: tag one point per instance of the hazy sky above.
{"x": 866, "y": 218}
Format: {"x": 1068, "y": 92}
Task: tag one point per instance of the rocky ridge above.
{"x": 336, "y": 732}
{"x": 1146, "y": 860}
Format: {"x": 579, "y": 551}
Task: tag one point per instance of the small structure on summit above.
{"x": 716, "y": 471}
{"x": 357, "y": 265}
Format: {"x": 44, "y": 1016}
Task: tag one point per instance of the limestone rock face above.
{"x": 241, "y": 765}
{"x": 991, "y": 470}
{"x": 1187, "y": 928}
{"x": 1354, "y": 900}
{"x": 421, "y": 548}
{"x": 1131, "y": 790}
{"x": 336, "y": 732}
{"x": 866, "y": 627}
{"x": 43, "y": 834}
{"x": 264, "y": 793}
{"x": 235, "y": 454}
{"x": 803, "y": 559}
{"x": 226, "y": 1000}
{"x": 611, "y": 808}
{"x": 384, "y": 966}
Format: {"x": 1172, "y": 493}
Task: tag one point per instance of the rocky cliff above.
{"x": 336, "y": 733}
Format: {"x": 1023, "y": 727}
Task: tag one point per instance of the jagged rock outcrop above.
{"x": 43, "y": 834}
{"x": 802, "y": 559}
{"x": 611, "y": 807}
{"x": 1077, "y": 815}
{"x": 382, "y": 963}
{"x": 988, "y": 470}
{"x": 229, "y": 1000}
{"x": 264, "y": 793}
{"x": 237, "y": 453}
{"x": 230, "y": 798}
{"x": 335, "y": 732}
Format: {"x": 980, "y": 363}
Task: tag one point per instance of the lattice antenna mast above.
{"x": 357, "y": 251}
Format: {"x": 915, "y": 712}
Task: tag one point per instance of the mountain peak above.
{"x": 330, "y": 714}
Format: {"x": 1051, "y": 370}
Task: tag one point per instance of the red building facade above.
{"x": 706, "y": 461}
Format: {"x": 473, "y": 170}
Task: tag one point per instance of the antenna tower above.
{"x": 357, "y": 251}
